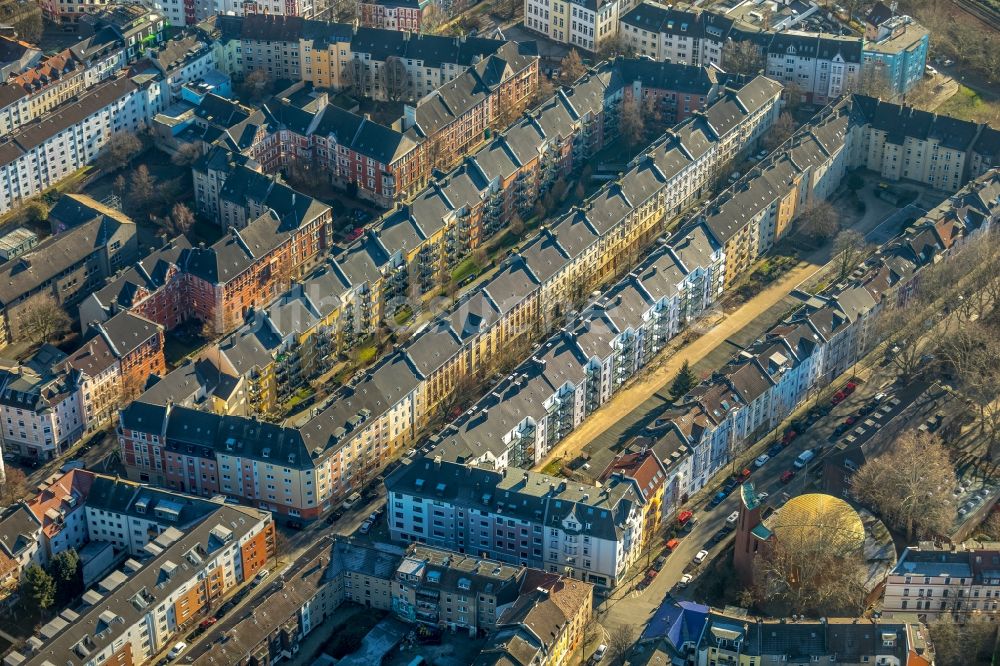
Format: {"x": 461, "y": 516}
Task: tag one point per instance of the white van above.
{"x": 352, "y": 500}
{"x": 804, "y": 459}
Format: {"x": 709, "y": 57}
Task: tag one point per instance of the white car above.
{"x": 700, "y": 557}
{"x": 761, "y": 460}
{"x": 762, "y": 496}
{"x": 262, "y": 575}
{"x": 602, "y": 649}
{"x": 176, "y": 650}
{"x": 930, "y": 71}
{"x": 685, "y": 579}
{"x": 733, "y": 517}
{"x": 365, "y": 527}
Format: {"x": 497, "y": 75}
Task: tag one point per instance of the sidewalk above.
{"x": 651, "y": 383}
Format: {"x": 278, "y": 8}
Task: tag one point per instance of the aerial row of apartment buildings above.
{"x": 456, "y": 90}
{"x": 158, "y": 559}
{"x": 821, "y": 66}
{"x": 346, "y": 299}
{"x": 347, "y": 443}
{"x": 343, "y": 447}
{"x": 684, "y": 632}
{"x": 528, "y": 615}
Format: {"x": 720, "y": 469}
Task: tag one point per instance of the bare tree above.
{"x": 972, "y": 351}
{"x": 119, "y": 151}
{"x": 849, "y": 248}
{"x": 398, "y": 83}
{"x": 742, "y": 57}
{"x": 909, "y": 485}
{"x": 187, "y": 154}
{"x": 13, "y": 486}
{"x": 256, "y": 85}
{"x": 615, "y": 47}
{"x": 874, "y": 80}
{"x": 816, "y": 568}
{"x": 181, "y": 220}
{"x": 571, "y": 67}
{"x": 782, "y": 129}
{"x": 140, "y": 187}
{"x": 41, "y": 320}
{"x": 652, "y": 116}
{"x": 631, "y": 126}
{"x": 620, "y": 643}
{"x": 432, "y": 19}
{"x": 546, "y": 89}
{"x": 967, "y": 644}
{"x": 820, "y": 221}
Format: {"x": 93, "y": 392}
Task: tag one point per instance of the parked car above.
{"x": 685, "y": 580}
{"x": 787, "y": 476}
{"x": 733, "y": 517}
{"x": 264, "y": 573}
{"x": 294, "y": 525}
{"x": 365, "y": 527}
{"x": 774, "y": 450}
{"x": 207, "y": 622}
{"x": 700, "y": 556}
{"x": 804, "y": 458}
{"x": 761, "y": 460}
{"x": 177, "y": 650}
{"x": 659, "y": 562}
{"x": 599, "y": 653}
{"x": 331, "y": 519}
{"x": 717, "y": 500}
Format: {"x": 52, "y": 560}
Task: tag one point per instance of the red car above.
{"x": 838, "y": 398}
{"x": 851, "y": 420}
{"x": 788, "y": 437}
{"x": 208, "y": 622}
{"x": 787, "y": 476}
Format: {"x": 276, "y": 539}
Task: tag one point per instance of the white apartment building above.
{"x": 35, "y": 157}
{"x": 592, "y": 533}
{"x": 40, "y": 413}
{"x": 936, "y": 580}
{"x": 585, "y": 24}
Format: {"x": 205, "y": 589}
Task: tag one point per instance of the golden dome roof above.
{"x": 817, "y": 516}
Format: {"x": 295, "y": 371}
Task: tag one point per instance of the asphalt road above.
{"x": 627, "y": 604}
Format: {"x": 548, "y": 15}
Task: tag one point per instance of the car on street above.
{"x": 787, "y": 476}
{"x": 207, "y": 622}
{"x": 177, "y": 650}
{"x": 365, "y": 527}
{"x": 774, "y": 450}
{"x": 700, "y": 556}
{"x": 733, "y": 517}
{"x": 599, "y": 653}
{"x": 659, "y": 562}
{"x": 762, "y": 496}
{"x": 685, "y": 580}
{"x": 761, "y": 460}
{"x": 264, "y": 573}
{"x": 331, "y": 519}
{"x": 717, "y": 499}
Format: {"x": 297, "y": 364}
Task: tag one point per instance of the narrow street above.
{"x": 632, "y": 405}
{"x": 627, "y": 604}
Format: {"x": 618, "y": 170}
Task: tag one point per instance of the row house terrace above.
{"x": 457, "y": 116}
{"x": 63, "y": 76}
{"x": 374, "y": 421}
{"x": 591, "y": 533}
{"x": 37, "y": 155}
{"x": 140, "y": 608}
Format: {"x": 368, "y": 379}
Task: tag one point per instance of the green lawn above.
{"x": 366, "y": 354}
{"x": 403, "y": 315}
{"x": 967, "y": 104}
{"x": 465, "y": 268}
